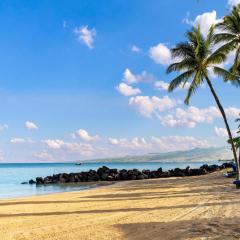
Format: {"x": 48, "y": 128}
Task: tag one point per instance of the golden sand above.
{"x": 205, "y": 207}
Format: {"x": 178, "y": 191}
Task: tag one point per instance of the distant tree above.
{"x": 195, "y": 58}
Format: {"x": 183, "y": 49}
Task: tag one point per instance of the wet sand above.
{"x": 204, "y": 207}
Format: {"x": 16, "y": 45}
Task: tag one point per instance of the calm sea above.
{"x": 11, "y": 175}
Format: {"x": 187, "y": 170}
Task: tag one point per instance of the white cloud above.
{"x": 131, "y": 78}
{"x": 17, "y": 140}
{"x": 161, "y": 85}
{"x": 232, "y": 112}
{"x": 187, "y": 19}
{"x": 3, "y": 127}
{"x": 127, "y": 90}
{"x": 135, "y": 49}
{"x": 147, "y": 106}
{"x": 158, "y": 144}
{"x": 160, "y": 54}
{"x": 232, "y": 3}
{"x": 74, "y": 148}
{"x": 20, "y": 140}
{"x": 85, "y": 136}
{"x": 174, "y": 143}
{"x": 30, "y": 125}
{"x": 192, "y": 116}
{"x": 115, "y": 141}
{"x": 205, "y": 21}
{"x": 133, "y": 143}
{"x": 85, "y": 35}
{"x": 54, "y": 144}
{"x": 222, "y": 132}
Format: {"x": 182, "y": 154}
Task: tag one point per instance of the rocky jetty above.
{"x": 107, "y": 174}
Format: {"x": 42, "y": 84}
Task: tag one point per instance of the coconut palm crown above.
{"x": 229, "y": 37}
{"x": 196, "y": 58}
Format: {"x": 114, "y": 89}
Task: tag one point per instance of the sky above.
{"x": 87, "y": 79}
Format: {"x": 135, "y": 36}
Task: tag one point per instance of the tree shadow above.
{"x": 184, "y": 207}
{"x": 214, "y": 228}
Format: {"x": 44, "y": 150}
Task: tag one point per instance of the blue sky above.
{"x": 62, "y": 63}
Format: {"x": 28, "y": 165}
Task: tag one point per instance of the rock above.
{"x": 31, "y": 181}
{"x": 133, "y": 177}
{"x": 140, "y": 177}
{"x": 106, "y": 174}
{"x": 39, "y": 180}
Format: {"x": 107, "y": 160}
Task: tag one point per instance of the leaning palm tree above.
{"x": 229, "y": 37}
{"x": 195, "y": 59}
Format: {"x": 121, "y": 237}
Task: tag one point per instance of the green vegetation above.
{"x": 199, "y": 55}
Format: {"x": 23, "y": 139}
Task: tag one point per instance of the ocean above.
{"x": 13, "y": 174}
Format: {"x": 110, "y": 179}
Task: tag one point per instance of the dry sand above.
{"x": 205, "y": 207}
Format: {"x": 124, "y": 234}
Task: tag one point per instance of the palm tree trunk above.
{"x": 226, "y": 124}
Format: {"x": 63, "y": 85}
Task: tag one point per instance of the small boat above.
{"x": 78, "y": 163}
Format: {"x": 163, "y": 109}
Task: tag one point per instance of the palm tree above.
{"x": 229, "y": 37}
{"x": 195, "y": 59}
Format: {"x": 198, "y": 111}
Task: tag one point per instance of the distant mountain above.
{"x": 193, "y": 155}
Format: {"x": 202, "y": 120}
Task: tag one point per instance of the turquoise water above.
{"x": 11, "y": 175}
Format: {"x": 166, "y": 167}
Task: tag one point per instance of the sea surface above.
{"x": 13, "y": 174}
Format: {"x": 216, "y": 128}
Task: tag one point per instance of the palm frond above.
{"x": 180, "y": 79}
{"x": 186, "y": 63}
{"x": 193, "y": 87}
{"x": 227, "y": 76}
{"x": 224, "y": 37}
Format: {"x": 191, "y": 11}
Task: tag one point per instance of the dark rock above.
{"x": 140, "y": 177}
{"x": 31, "y": 181}
{"x": 106, "y": 174}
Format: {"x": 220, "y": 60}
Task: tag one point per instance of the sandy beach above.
{"x": 204, "y": 207}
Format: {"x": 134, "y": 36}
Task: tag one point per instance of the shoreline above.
{"x": 90, "y": 187}
{"x": 196, "y": 207}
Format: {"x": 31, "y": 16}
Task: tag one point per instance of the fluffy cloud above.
{"x": 173, "y": 143}
{"x": 75, "y": 148}
{"x": 85, "y": 136}
{"x": 192, "y": 116}
{"x": 148, "y": 106}
{"x": 232, "y": 112}
{"x": 205, "y": 21}
{"x": 135, "y": 49}
{"x": 3, "y": 127}
{"x": 222, "y": 132}
{"x": 54, "y": 144}
{"x": 161, "y": 85}
{"x": 31, "y": 126}
{"x": 17, "y": 140}
{"x": 132, "y": 78}
{"x": 158, "y": 144}
{"x": 127, "y": 90}
{"x": 133, "y": 143}
{"x": 160, "y": 54}
{"x": 232, "y": 3}
{"x": 85, "y": 35}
